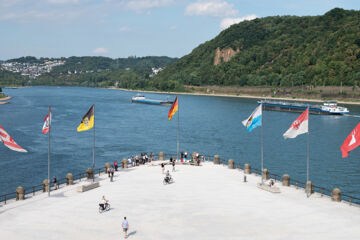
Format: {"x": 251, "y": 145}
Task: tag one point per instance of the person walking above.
{"x": 112, "y": 174}
{"x": 125, "y": 226}
{"x": 55, "y": 182}
{"x": 109, "y": 171}
{"x": 173, "y": 165}
{"x": 115, "y": 165}
{"x": 162, "y": 168}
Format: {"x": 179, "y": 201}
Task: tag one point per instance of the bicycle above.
{"x": 106, "y": 208}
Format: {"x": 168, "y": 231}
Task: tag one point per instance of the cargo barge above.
{"x": 327, "y": 108}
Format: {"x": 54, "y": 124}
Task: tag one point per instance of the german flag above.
{"x": 173, "y": 109}
{"x": 87, "y": 121}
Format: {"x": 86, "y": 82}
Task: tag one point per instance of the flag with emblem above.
{"x": 87, "y": 121}
{"x": 351, "y": 142}
{"x": 47, "y": 123}
{"x": 299, "y": 126}
{"x": 254, "y": 120}
{"x": 9, "y": 142}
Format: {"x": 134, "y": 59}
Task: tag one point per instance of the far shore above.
{"x": 237, "y": 96}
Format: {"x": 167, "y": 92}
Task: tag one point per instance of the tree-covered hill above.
{"x": 275, "y": 51}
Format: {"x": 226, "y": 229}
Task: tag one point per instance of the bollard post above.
{"x": 247, "y": 168}
{"x": 265, "y": 174}
{"x": 124, "y": 163}
{"x": 107, "y": 165}
{"x": 90, "y": 173}
{"x": 161, "y": 156}
{"x": 336, "y": 195}
{"x": 69, "y": 179}
{"x": 217, "y": 159}
{"x": 286, "y": 180}
{"x": 45, "y": 185}
{"x": 231, "y": 164}
{"x": 20, "y": 193}
{"x": 310, "y": 186}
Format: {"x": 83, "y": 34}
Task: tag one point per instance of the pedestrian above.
{"x": 182, "y": 156}
{"x": 125, "y": 226}
{"x": 116, "y": 165}
{"x": 55, "y": 182}
{"x": 112, "y": 174}
{"x": 185, "y": 156}
{"x": 162, "y": 168}
{"x": 173, "y": 165}
{"x": 109, "y": 171}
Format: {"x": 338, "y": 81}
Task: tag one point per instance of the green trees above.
{"x": 278, "y": 51}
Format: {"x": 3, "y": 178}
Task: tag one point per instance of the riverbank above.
{"x": 4, "y": 99}
{"x": 253, "y": 93}
{"x": 206, "y": 202}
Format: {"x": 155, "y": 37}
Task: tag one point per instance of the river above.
{"x": 208, "y": 124}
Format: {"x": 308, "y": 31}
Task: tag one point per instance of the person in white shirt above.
{"x": 125, "y": 226}
{"x": 103, "y": 202}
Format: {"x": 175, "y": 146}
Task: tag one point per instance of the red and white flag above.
{"x": 299, "y": 126}
{"x": 47, "y": 123}
{"x": 9, "y": 142}
{"x": 351, "y": 142}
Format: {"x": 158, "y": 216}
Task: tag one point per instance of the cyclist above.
{"x": 103, "y": 202}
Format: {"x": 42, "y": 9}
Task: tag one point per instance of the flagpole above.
{"x": 262, "y": 147}
{"x": 93, "y": 165}
{"x": 178, "y": 130}
{"x": 49, "y": 152}
{"x": 308, "y": 153}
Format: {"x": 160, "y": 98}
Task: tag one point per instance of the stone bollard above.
{"x": 90, "y": 173}
{"x": 217, "y": 159}
{"x": 161, "y": 156}
{"x": 247, "y": 168}
{"x": 45, "y": 185}
{"x": 310, "y": 186}
{"x": 20, "y": 193}
{"x": 286, "y": 180}
{"x": 336, "y": 195}
{"x": 231, "y": 164}
{"x": 107, "y": 165}
{"x": 265, "y": 174}
{"x": 124, "y": 163}
{"x": 69, "y": 179}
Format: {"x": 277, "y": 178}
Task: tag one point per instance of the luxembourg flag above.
{"x": 254, "y": 120}
{"x": 299, "y": 126}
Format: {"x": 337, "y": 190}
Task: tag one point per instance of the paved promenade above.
{"x": 207, "y": 202}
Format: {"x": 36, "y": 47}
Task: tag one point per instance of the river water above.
{"x": 210, "y": 125}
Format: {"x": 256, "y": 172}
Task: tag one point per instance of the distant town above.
{"x": 32, "y": 70}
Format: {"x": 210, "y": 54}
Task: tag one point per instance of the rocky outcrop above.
{"x": 224, "y": 55}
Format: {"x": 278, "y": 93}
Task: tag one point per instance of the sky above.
{"x": 123, "y": 28}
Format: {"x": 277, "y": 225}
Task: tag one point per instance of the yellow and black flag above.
{"x": 87, "y": 121}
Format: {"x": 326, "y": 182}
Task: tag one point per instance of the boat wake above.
{"x": 357, "y": 116}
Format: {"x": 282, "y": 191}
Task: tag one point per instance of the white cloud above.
{"x": 100, "y": 50}
{"x": 142, "y": 5}
{"x": 65, "y": 1}
{"x": 173, "y": 27}
{"x": 227, "y": 22}
{"x": 124, "y": 29}
{"x": 214, "y": 8}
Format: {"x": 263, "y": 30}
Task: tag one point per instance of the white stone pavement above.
{"x": 207, "y": 202}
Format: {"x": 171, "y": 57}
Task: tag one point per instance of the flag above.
{"x": 9, "y": 142}
{"x": 87, "y": 121}
{"x": 47, "y": 123}
{"x": 173, "y": 109}
{"x": 351, "y": 142}
{"x": 299, "y": 126}
{"x": 254, "y": 120}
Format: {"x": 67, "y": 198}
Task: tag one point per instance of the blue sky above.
{"x": 122, "y": 28}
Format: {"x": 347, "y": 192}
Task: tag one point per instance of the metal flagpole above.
{"x": 262, "y": 147}
{"x": 49, "y": 152}
{"x": 178, "y": 130}
{"x": 93, "y": 165}
{"x": 308, "y": 161}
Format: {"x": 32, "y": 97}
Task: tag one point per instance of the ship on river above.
{"x": 142, "y": 99}
{"x": 327, "y": 108}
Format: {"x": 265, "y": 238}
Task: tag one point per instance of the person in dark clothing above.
{"x": 55, "y": 182}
